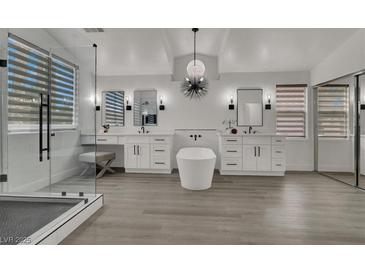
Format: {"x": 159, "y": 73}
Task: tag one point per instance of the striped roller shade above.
{"x": 333, "y": 110}
{"x": 291, "y": 110}
{"x": 114, "y": 108}
{"x": 33, "y": 71}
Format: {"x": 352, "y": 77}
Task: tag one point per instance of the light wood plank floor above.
{"x": 300, "y": 208}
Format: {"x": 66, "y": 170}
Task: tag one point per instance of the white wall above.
{"x": 210, "y": 111}
{"x": 25, "y": 171}
{"x": 347, "y": 58}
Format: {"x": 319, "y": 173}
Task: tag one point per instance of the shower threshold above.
{"x": 26, "y": 219}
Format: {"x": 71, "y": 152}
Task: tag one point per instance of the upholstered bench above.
{"x": 101, "y": 159}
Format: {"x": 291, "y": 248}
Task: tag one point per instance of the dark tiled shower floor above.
{"x": 20, "y": 219}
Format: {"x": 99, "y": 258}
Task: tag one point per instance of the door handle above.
{"x": 41, "y": 149}
{"x": 255, "y": 152}
{"x": 134, "y": 150}
{"x": 259, "y": 151}
{"x": 138, "y": 150}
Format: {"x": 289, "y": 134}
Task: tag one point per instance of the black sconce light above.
{"x": 162, "y": 106}
{"x": 128, "y": 107}
{"x": 268, "y": 105}
{"x": 231, "y": 105}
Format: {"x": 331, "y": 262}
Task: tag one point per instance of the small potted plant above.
{"x": 229, "y": 122}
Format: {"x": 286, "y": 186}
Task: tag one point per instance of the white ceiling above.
{"x": 151, "y": 51}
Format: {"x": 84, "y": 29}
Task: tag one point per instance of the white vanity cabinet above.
{"x": 252, "y": 155}
{"x": 137, "y": 156}
{"x": 148, "y": 154}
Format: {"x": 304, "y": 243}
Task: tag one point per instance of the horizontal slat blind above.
{"x": 27, "y": 78}
{"x": 291, "y": 110}
{"x": 29, "y": 75}
{"x": 62, "y": 92}
{"x": 114, "y": 108}
{"x": 333, "y": 108}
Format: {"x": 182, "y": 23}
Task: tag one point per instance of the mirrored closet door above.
{"x": 335, "y": 112}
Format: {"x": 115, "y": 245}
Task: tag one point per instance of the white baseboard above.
{"x": 36, "y": 185}
{"x": 331, "y": 168}
{"x": 141, "y": 170}
{"x": 299, "y": 167}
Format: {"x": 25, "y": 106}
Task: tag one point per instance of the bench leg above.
{"x": 85, "y": 170}
{"x": 105, "y": 168}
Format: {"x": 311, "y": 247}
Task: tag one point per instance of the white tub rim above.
{"x": 202, "y": 158}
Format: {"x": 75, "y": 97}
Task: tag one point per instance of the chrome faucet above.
{"x": 142, "y": 129}
{"x": 249, "y": 130}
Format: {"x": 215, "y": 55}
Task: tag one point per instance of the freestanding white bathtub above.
{"x": 196, "y": 167}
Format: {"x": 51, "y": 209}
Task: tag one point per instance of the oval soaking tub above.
{"x": 196, "y": 167}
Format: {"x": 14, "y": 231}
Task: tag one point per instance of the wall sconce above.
{"x": 268, "y": 105}
{"x": 162, "y": 106}
{"x": 128, "y": 107}
{"x": 231, "y": 105}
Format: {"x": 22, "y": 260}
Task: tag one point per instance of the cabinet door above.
{"x": 249, "y": 157}
{"x": 264, "y": 157}
{"x": 130, "y": 156}
{"x": 144, "y": 158}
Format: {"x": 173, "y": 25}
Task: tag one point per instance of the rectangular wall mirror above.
{"x": 249, "y": 107}
{"x": 113, "y": 108}
{"x": 145, "y": 108}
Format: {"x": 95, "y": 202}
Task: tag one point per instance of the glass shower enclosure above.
{"x": 47, "y": 103}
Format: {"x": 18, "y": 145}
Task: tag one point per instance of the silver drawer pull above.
{"x": 159, "y": 140}
{"x": 102, "y": 139}
{"x": 159, "y": 163}
{"x": 159, "y": 150}
{"x": 278, "y": 151}
{"x": 278, "y": 164}
{"x": 278, "y": 141}
{"x": 231, "y": 150}
{"x": 231, "y": 164}
{"x": 231, "y": 140}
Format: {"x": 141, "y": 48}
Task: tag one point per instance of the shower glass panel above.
{"x": 72, "y": 116}
{"x": 335, "y": 128}
{"x": 49, "y": 104}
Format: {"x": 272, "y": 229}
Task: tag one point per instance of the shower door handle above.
{"x": 41, "y": 149}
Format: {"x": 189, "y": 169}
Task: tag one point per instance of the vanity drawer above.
{"x": 278, "y": 165}
{"x": 137, "y": 140}
{"x": 257, "y": 140}
{"x": 160, "y": 162}
{"x": 231, "y": 163}
{"x": 232, "y": 151}
{"x": 160, "y": 139}
{"x": 232, "y": 140}
{"x": 277, "y": 140}
{"x": 160, "y": 149}
{"x": 106, "y": 140}
{"x": 278, "y": 152}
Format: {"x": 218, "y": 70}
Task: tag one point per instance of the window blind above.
{"x": 33, "y": 71}
{"x": 291, "y": 110}
{"x": 62, "y": 92}
{"x": 28, "y": 71}
{"x": 333, "y": 108}
{"x": 114, "y": 108}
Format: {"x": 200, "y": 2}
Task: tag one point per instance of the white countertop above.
{"x": 258, "y": 134}
{"x": 165, "y": 133}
